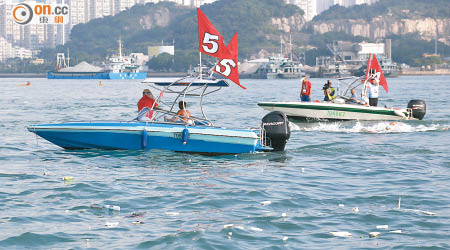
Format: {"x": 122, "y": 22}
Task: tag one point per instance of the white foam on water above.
{"x": 381, "y": 127}
{"x": 341, "y": 234}
{"x": 293, "y": 126}
{"x": 111, "y": 224}
{"x": 256, "y": 229}
{"x": 374, "y": 234}
{"x": 265, "y": 203}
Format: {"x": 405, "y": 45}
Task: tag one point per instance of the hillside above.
{"x": 413, "y": 26}
{"x": 259, "y": 24}
{"x": 427, "y": 19}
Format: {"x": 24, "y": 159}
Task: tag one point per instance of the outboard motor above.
{"x": 277, "y": 129}
{"x": 418, "y": 108}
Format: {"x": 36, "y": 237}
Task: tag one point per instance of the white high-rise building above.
{"x": 308, "y": 6}
{"x": 8, "y": 28}
{"x": 101, "y": 8}
{"x": 36, "y": 36}
{"x": 315, "y": 7}
{"x": 79, "y": 11}
{"x": 121, "y": 5}
{"x": 6, "y": 49}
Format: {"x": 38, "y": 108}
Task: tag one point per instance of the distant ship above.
{"x": 275, "y": 67}
{"x": 119, "y": 67}
{"x": 272, "y": 68}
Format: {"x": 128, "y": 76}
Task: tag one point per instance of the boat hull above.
{"x": 284, "y": 75}
{"x": 97, "y": 75}
{"x": 127, "y": 75}
{"x": 333, "y": 111}
{"x": 147, "y": 136}
{"x": 77, "y": 75}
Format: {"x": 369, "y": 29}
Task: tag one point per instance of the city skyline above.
{"x": 33, "y": 37}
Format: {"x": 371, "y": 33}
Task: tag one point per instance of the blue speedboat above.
{"x": 195, "y": 135}
{"x": 159, "y": 127}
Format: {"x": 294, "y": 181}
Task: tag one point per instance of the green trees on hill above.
{"x": 250, "y": 18}
{"x": 397, "y": 8}
{"x": 407, "y": 49}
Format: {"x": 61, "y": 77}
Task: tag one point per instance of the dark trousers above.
{"x": 373, "y": 102}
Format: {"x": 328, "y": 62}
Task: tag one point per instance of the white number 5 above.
{"x": 227, "y": 64}
{"x": 210, "y": 39}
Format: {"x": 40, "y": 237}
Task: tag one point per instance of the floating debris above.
{"x": 421, "y": 211}
{"x": 285, "y": 238}
{"x": 257, "y": 229}
{"x": 374, "y": 234}
{"x": 383, "y": 227}
{"x": 428, "y": 213}
{"x": 240, "y": 227}
{"x": 96, "y": 207}
{"x": 172, "y": 213}
{"x": 67, "y": 178}
{"x": 112, "y": 207}
{"x": 399, "y": 202}
{"x": 396, "y": 231}
{"x": 283, "y": 215}
{"x": 111, "y": 224}
{"x": 341, "y": 205}
{"x": 228, "y": 226}
{"x": 355, "y": 210}
{"x": 303, "y": 170}
{"x": 265, "y": 203}
{"x": 341, "y": 234}
{"x": 135, "y": 214}
{"x": 137, "y": 222}
{"x": 230, "y": 233}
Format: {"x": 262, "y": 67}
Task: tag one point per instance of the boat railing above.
{"x": 262, "y": 136}
{"x": 166, "y": 116}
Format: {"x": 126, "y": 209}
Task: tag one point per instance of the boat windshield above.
{"x": 346, "y": 84}
{"x": 174, "y": 90}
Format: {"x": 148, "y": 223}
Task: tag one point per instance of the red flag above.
{"x": 375, "y": 70}
{"x": 228, "y": 64}
{"x": 210, "y": 41}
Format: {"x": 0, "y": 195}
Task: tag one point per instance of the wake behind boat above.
{"x": 159, "y": 127}
{"x": 346, "y": 107}
{"x": 343, "y": 111}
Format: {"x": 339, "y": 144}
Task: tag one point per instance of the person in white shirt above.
{"x": 374, "y": 86}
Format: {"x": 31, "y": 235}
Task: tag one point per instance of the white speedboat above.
{"x": 342, "y": 109}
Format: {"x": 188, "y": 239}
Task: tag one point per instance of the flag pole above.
{"x": 200, "y": 65}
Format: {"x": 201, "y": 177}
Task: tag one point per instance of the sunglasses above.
{"x": 146, "y": 92}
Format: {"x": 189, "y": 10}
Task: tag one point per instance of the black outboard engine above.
{"x": 277, "y": 129}
{"x": 418, "y": 108}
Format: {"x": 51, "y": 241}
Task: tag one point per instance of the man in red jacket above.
{"x": 148, "y": 101}
{"x": 305, "y": 94}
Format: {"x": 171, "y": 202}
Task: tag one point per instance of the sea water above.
{"x": 338, "y": 185}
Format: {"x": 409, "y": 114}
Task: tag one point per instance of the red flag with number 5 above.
{"x": 209, "y": 39}
{"x": 228, "y": 64}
